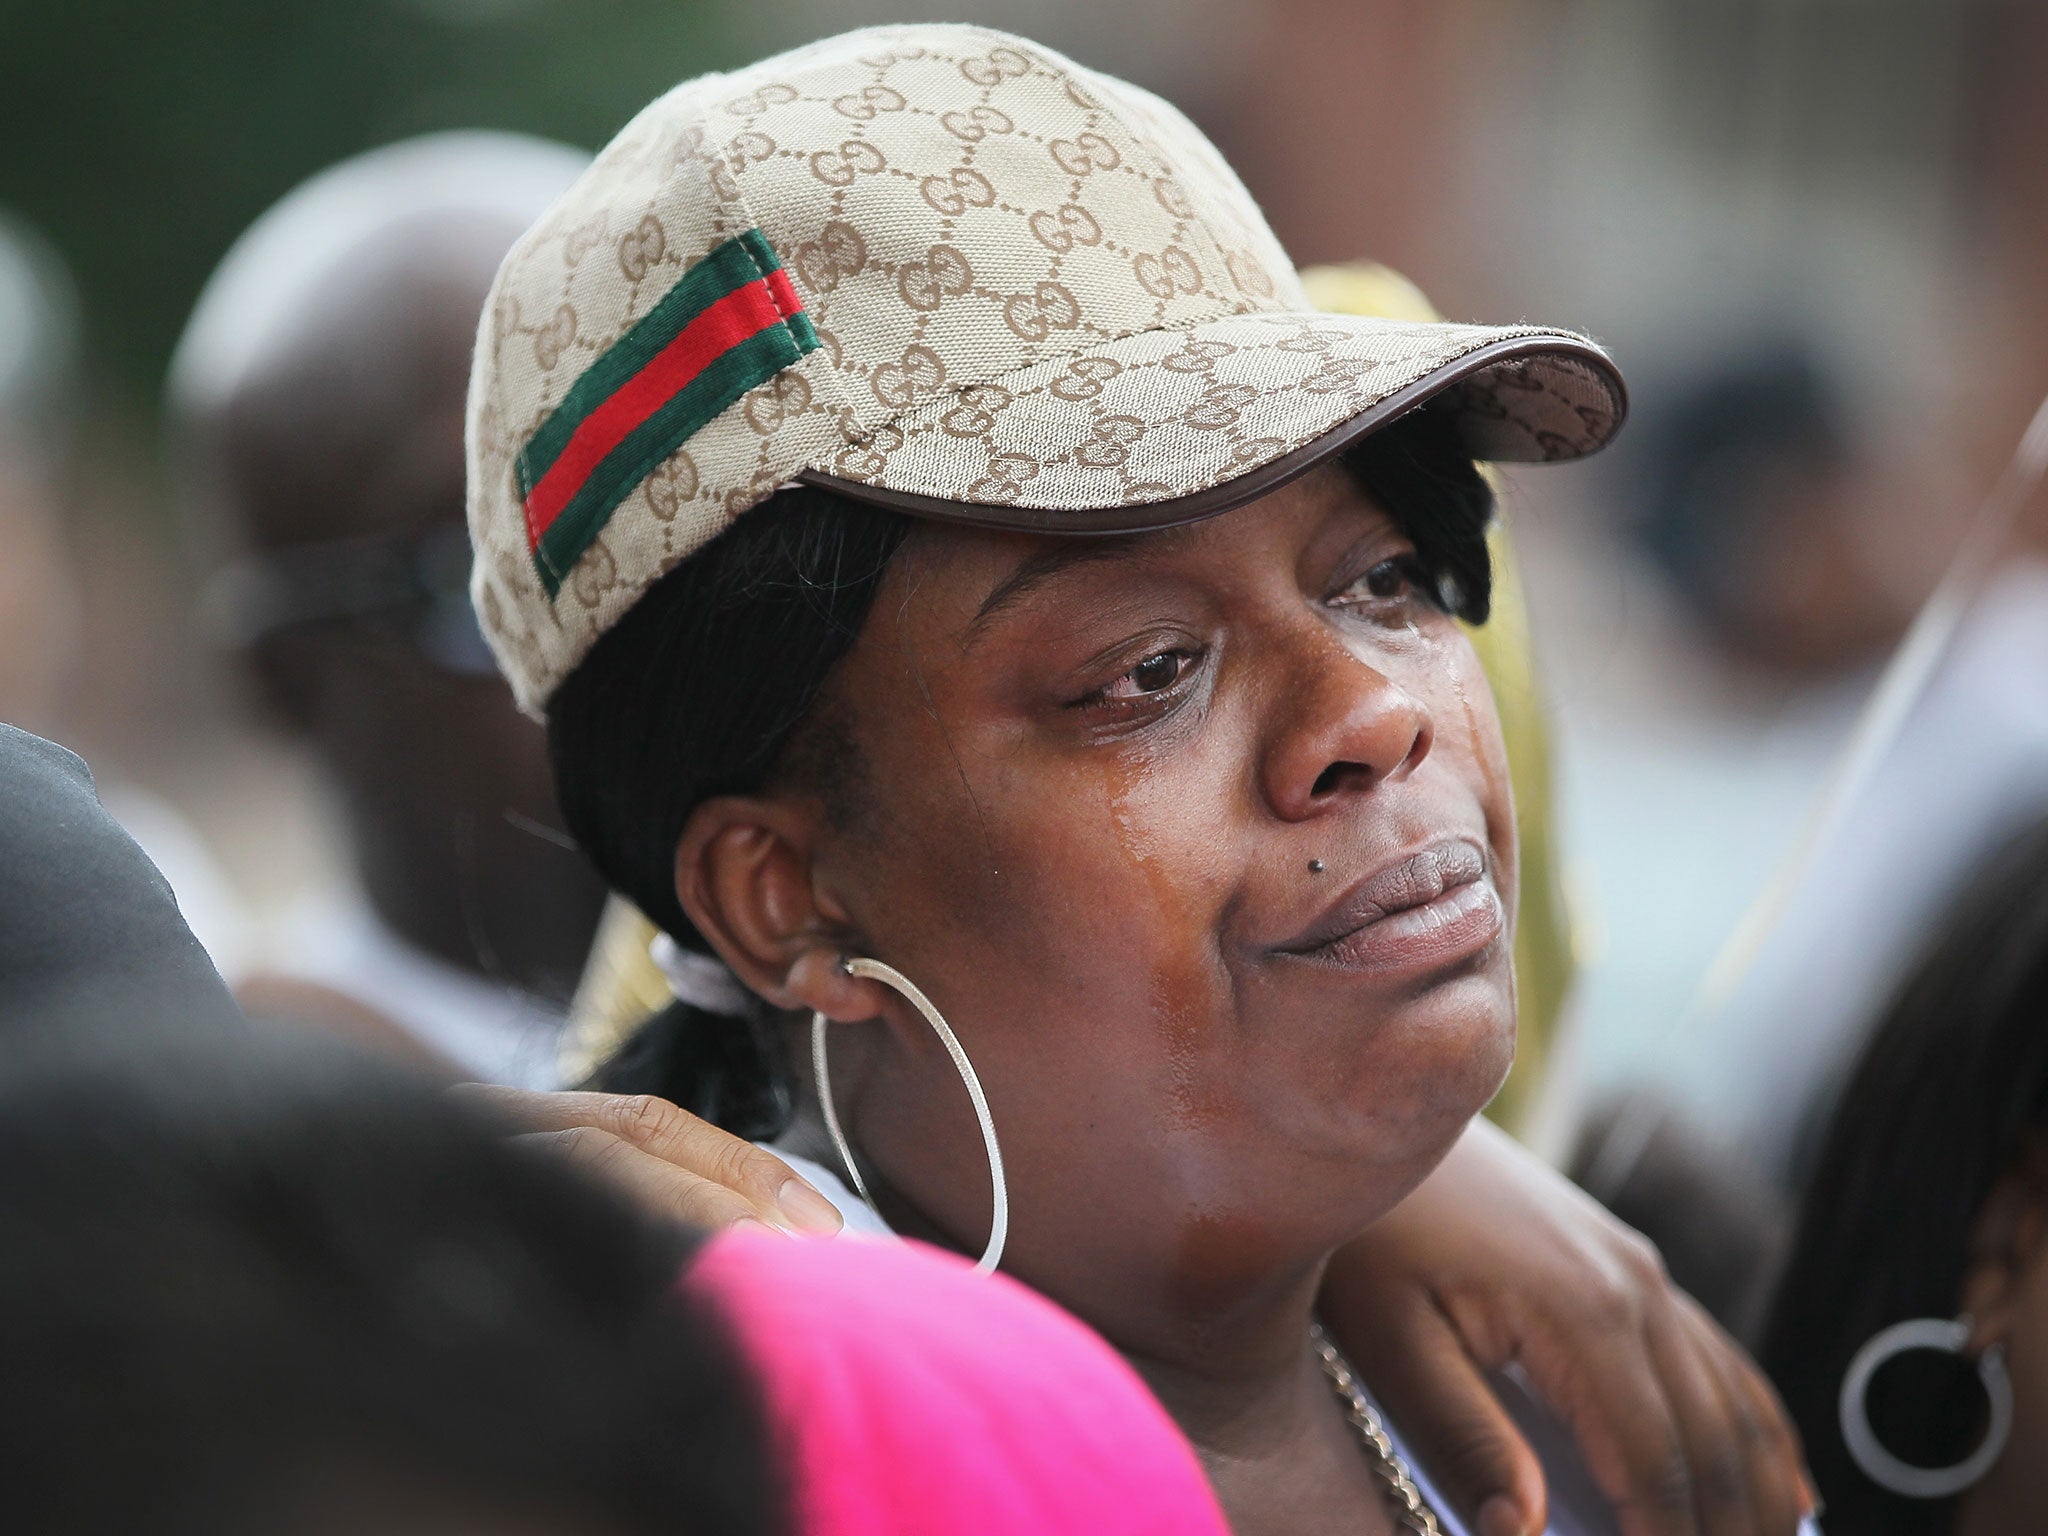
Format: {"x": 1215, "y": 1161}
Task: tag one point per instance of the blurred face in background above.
{"x": 2005, "y": 1296}
{"x": 342, "y": 452}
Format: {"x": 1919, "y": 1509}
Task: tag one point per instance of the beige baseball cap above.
{"x": 942, "y": 269}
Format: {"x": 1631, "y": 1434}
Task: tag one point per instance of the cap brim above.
{"x": 1169, "y": 427}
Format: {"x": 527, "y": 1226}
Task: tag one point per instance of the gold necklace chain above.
{"x": 1411, "y": 1513}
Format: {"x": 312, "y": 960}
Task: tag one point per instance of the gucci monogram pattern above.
{"x": 1167, "y": 413}
{"x": 1032, "y": 285}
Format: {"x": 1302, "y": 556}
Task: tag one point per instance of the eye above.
{"x": 1390, "y": 578}
{"x": 1154, "y": 675}
{"x": 1394, "y": 580}
{"x": 1157, "y": 672}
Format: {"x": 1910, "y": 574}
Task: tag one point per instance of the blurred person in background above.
{"x": 317, "y": 403}
{"x": 45, "y": 605}
{"x": 1910, "y": 1332}
{"x": 38, "y": 365}
{"x": 1761, "y": 512}
{"x": 91, "y": 939}
{"x": 1749, "y": 504}
{"x": 263, "y": 1290}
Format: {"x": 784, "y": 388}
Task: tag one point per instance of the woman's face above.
{"x": 1202, "y": 841}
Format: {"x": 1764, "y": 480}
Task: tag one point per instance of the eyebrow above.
{"x": 1035, "y": 572}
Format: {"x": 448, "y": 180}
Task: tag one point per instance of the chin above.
{"x": 1429, "y": 1063}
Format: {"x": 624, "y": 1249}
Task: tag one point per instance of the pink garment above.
{"x": 914, "y": 1397}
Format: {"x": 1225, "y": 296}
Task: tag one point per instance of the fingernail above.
{"x": 807, "y": 1210}
{"x": 755, "y": 1224}
{"x": 1500, "y": 1516}
{"x": 1816, "y": 1506}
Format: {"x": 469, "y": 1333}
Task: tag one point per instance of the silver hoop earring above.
{"x": 1879, "y": 1464}
{"x": 875, "y": 970}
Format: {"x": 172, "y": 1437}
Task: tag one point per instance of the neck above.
{"x": 1220, "y": 1333}
{"x": 1246, "y": 1388}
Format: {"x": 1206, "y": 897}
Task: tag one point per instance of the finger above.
{"x": 659, "y": 1188}
{"x": 1438, "y": 1396}
{"x": 1716, "y": 1444}
{"x": 1604, "y": 1385}
{"x": 674, "y": 1136}
{"x": 1779, "y": 1490}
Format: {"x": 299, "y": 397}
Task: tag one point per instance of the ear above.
{"x": 746, "y": 878}
{"x": 2009, "y": 1241}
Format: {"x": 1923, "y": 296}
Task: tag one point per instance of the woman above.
{"x": 1920, "y": 1251}
{"x": 910, "y": 482}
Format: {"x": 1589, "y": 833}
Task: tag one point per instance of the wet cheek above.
{"x": 1469, "y": 736}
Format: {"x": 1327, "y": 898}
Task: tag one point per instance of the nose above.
{"x": 1348, "y": 728}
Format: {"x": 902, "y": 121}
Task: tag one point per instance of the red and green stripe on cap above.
{"x": 731, "y": 322}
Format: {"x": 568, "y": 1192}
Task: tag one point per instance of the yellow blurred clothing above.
{"x": 621, "y": 986}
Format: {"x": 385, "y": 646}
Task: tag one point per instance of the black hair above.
{"x": 1935, "y": 1110}
{"x": 701, "y": 688}
{"x": 246, "y": 1290}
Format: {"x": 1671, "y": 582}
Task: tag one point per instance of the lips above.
{"x": 1424, "y": 911}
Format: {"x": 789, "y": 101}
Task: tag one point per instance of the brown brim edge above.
{"x": 1213, "y": 501}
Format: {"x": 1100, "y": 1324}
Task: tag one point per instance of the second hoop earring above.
{"x": 1889, "y": 1472}
{"x": 875, "y": 970}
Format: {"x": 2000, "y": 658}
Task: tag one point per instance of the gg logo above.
{"x": 774, "y": 94}
{"x": 892, "y": 57}
{"x": 1085, "y": 155}
{"x": 642, "y": 248}
{"x": 750, "y": 149}
{"x": 555, "y": 338}
{"x": 1249, "y": 275}
{"x": 865, "y": 460}
{"x": 1254, "y": 451}
{"x": 1310, "y": 339}
{"x": 596, "y": 574}
{"x": 1220, "y": 407}
{"x": 926, "y": 284}
{"x": 775, "y": 402}
{"x": 577, "y": 243}
{"x": 689, "y": 145}
{"x": 1007, "y": 475}
{"x": 837, "y": 253}
{"x": 1196, "y": 356}
{"x": 863, "y": 104}
{"x": 975, "y": 124}
{"x": 1085, "y": 377}
{"x": 1335, "y": 375}
{"x": 919, "y": 372}
{"x": 975, "y": 415}
{"x": 959, "y": 189}
{"x": 759, "y": 487}
{"x": 838, "y": 167}
{"x": 1172, "y": 271}
{"x": 671, "y": 484}
{"x": 1064, "y": 228}
{"x": 1173, "y": 197}
{"x": 996, "y": 66}
{"x": 1047, "y": 308}
{"x": 1111, "y": 444}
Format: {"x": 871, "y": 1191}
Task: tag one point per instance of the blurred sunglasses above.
{"x": 416, "y": 589}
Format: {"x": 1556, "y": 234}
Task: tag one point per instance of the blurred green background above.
{"x": 142, "y": 138}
